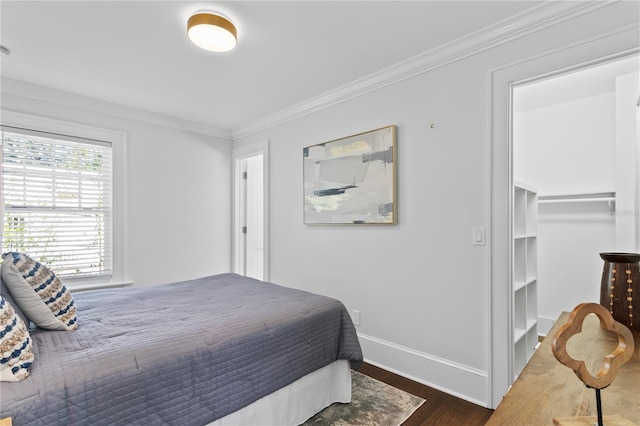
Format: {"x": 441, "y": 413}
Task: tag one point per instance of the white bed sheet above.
{"x": 296, "y": 403}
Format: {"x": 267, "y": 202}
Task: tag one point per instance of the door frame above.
{"x": 238, "y": 155}
{"x": 604, "y": 48}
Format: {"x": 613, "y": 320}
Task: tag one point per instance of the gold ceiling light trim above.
{"x": 212, "y": 31}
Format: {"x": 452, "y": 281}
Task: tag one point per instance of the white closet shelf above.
{"x": 519, "y": 333}
{"x": 591, "y": 197}
{"x": 518, "y": 284}
{"x": 577, "y": 198}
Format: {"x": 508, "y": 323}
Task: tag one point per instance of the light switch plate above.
{"x": 479, "y": 236}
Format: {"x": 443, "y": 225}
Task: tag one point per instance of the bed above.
{"x": 219, "y": 350}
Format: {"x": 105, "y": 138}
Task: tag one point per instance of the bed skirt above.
{"x": 296, "y": 403}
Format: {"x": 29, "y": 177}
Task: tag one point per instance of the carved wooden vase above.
{"x": 620, "y": 288}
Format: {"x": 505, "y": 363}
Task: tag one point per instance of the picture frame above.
{"x": 352, "y": 180}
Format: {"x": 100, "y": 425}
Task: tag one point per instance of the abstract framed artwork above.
{"x": 352, "y": 180}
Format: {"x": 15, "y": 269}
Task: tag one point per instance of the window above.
{"x": 57, "y": 201}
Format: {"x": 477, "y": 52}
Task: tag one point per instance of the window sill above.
{"x": 97, "y": 286}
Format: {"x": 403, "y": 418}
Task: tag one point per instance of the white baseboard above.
{"x": 544, "y": 324}
{"x": 456, "y": 379}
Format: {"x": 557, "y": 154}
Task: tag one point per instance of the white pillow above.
{"x": 16, "y": 354}
{"x": 39, "y": 293}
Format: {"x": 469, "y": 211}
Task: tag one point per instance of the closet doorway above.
{"x": 250, "y": 230}
{"x": 575, "y": 140}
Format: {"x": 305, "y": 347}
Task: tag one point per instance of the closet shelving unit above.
{"x": 524, "y": 280}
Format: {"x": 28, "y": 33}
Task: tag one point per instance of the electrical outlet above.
{"x": 355, "y": 317}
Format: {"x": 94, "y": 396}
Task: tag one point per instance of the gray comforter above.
{"x": 184, "y": 354}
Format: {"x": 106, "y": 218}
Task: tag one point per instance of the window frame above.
{"x": 118, "y": 141}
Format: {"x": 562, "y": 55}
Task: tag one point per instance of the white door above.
{"x": 250, "y": 211}
{"x": 253, "y": 228}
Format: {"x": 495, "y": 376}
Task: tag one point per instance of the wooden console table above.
{"x": 546, "y": 389}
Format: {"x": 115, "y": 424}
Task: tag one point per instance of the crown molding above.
{"x": 528, "y": 22}
{"x": 53, "y": 96}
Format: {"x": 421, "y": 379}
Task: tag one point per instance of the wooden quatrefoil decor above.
{"x": 611, "y": 362}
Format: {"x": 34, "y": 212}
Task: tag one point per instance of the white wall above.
{"x": 628, "y": 162}
{"x": 422, "y": 288}
{"x": 567, "y": 148}
{"x": 178, "y": 187}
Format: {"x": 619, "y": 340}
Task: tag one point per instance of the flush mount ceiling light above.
{"x": 212, "y": 31}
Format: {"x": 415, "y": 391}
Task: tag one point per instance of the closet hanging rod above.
{"x": 576, "y": 198}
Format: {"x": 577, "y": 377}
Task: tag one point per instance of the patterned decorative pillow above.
{"x": 16, "y": 354}
{"x": 39, "y": 293}
{"x": 4, "y": 292}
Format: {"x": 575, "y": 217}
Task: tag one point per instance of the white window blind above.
{"x": 57, "y": 201}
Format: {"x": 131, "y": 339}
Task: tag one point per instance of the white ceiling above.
{"x": 136, "y": 53}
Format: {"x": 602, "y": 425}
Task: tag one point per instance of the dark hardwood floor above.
{"x": 440, "y": 408}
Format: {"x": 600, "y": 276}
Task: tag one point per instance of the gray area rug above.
{"x": 373, "y": 403}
